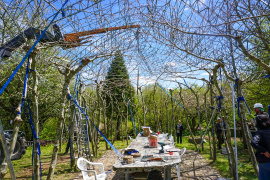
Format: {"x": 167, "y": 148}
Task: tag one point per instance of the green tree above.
{"x": 117, "y": 89}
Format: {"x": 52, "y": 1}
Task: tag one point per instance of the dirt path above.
{"x": 202, "y": 166}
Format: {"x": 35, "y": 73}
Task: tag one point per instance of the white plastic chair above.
{"x": 182, "y": 152}
{"x": 177, "y": 166}
{"x": 82, "y": 165}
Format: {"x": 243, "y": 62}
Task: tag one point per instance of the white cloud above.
{"x": 204, "y": 74}
{"x": 143, "y": 80}
{"x": 170, "y": 64}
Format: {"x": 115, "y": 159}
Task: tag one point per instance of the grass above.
{"x": 23, "y": 167}
{"x": 245, "y": 169}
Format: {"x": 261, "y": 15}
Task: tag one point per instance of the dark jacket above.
{"x": 261, "y": 142}
{"x": 218, "y": 128}
{"x": 181, "y": 128}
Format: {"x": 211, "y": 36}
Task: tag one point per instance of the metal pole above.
{"x": 6, "y": 152}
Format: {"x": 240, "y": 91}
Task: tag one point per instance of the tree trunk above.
{"x": 143, "y": 108}
{"x": 35, "y": 116}
{"x": 186, "y": 117}
{"x": 230, "y": 151}
{"x": 127, "y": 127}
{"x": 247, "y": 136}
{"x": 65, "y": 92}
{"x": 99, "y": 119}
{"x": 91, "y": 131}
{"x": 105, "y": 122}
{"x": 72, "y": 126}
{"x": 213, "y": 123}
{"x": 172, "y": 119}
{"x": 17, "y": 122}
{"x": 206, "y": 120}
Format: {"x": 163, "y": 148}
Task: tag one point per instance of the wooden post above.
{"x": 35, "y": 115}
{"x": 71, "y": 134}
{"x": 213, "y": 122}
{"x": 143, "y": 107}
{"x": 172, "y": 119}
{"x": 99, "y": 114}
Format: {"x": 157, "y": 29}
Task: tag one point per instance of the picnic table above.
{"x": 141, "y": 144}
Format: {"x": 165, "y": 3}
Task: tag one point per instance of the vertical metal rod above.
{"x": 6, "y": 152}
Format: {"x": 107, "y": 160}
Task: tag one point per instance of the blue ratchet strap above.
{"x": 238, "y": 101}
{"x": 171, "y": 96}
{"x": 219, "y": 104}
{"x": 115, "y": 150}
{"x": 30, "y": 50}
{"x": 267, "y": 76}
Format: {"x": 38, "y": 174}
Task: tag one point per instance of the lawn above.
{"x": 23, "y": 167}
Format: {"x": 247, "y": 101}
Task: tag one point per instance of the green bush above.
{"x": 49, "y": 130}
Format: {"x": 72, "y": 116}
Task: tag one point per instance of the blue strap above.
{"x": 63, "y": 13}
{"x": 267, "y": 76}
{"x": 69, "y": 96}
{"x": 238, "y": 101}
{"x": 25, "y": 84}
{"x": 131, "y": 115}
{"x": 109, "y": 171}
{"x": 78, "y": 83}
{"x": 212, "y": 107}
{"x": 186, "y": 84}
{"x": 219, "y": 104}
{"x": 236, "y": 80}
{"x": 220, "y": 74}
{"x": 30, "y": 121}
{"x": 134, "y": 151}
{"x": 30, "y": 50}
{"x": 115, "y": 150}
{"x": 170, "y": 96}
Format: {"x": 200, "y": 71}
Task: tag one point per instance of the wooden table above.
{"x": 141, "y": 144}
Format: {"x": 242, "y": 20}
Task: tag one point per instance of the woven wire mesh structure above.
{"x": 164, "y": 40}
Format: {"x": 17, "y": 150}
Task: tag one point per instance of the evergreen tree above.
{"x": 117, "y": 89}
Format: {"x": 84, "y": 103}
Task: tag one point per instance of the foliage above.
{"x": 49, "y": 130}
{"x": 118, "y": 90}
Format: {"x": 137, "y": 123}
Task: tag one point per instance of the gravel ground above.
{"x": 203, "y": 169}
